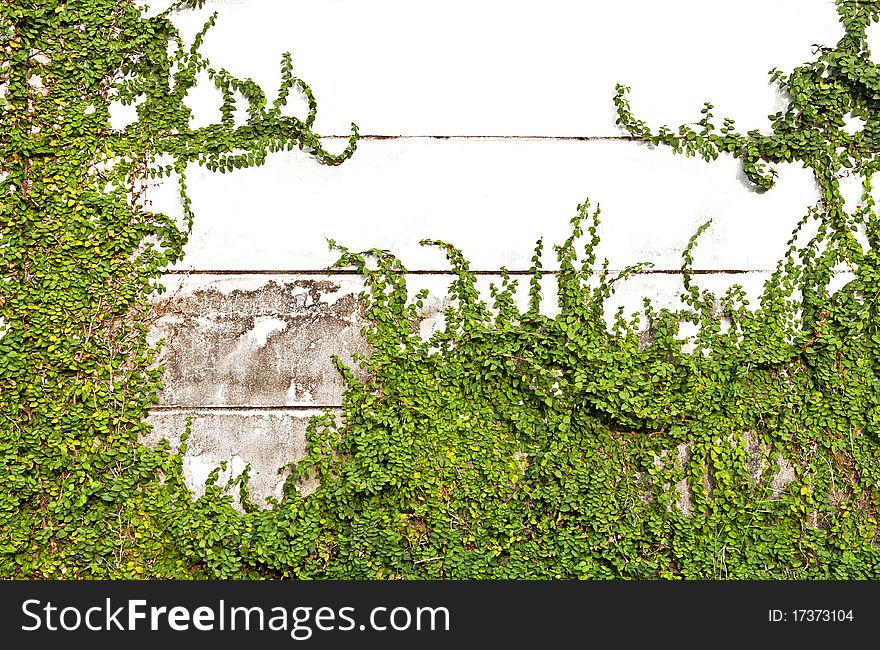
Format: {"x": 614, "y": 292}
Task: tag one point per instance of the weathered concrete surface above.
{"x": 265, "y": 440}
{"x": 233, "y": 341}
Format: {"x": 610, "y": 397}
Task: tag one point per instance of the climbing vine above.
{"x": 80, "y": 252}
{"x": 510, "y": 443}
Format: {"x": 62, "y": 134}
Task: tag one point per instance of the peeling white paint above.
{"x": 264, "y": 327}
{"x": 186, "y": 285}
{"x": 266, "y": 441}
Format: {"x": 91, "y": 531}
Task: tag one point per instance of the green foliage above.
{"x": 511, "y": 444}
{"x": 80, "y": 251}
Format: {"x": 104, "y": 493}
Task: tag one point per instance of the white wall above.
{"x": 485, "y": 123}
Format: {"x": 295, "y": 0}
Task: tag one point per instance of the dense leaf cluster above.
{"x": 511, "y": 444}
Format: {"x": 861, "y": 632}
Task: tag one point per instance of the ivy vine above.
{"x": 510, "y": 444}
{"x": 80, "y": 252}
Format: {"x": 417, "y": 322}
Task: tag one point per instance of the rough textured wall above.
{"x": 485, "y": 125}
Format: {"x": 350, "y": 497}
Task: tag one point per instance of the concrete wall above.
{"x": 485, "y": 123}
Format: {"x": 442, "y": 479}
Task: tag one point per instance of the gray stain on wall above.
{"x": 266, "y": 347}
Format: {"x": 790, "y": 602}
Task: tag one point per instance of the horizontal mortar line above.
{"x": 189, "y": 408}
{"x": 449, "y": 272}
{"x": 575, "y": 138}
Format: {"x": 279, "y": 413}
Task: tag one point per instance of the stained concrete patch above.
{"x": 265, "y": 440}
{"x": 269, "y": 345}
